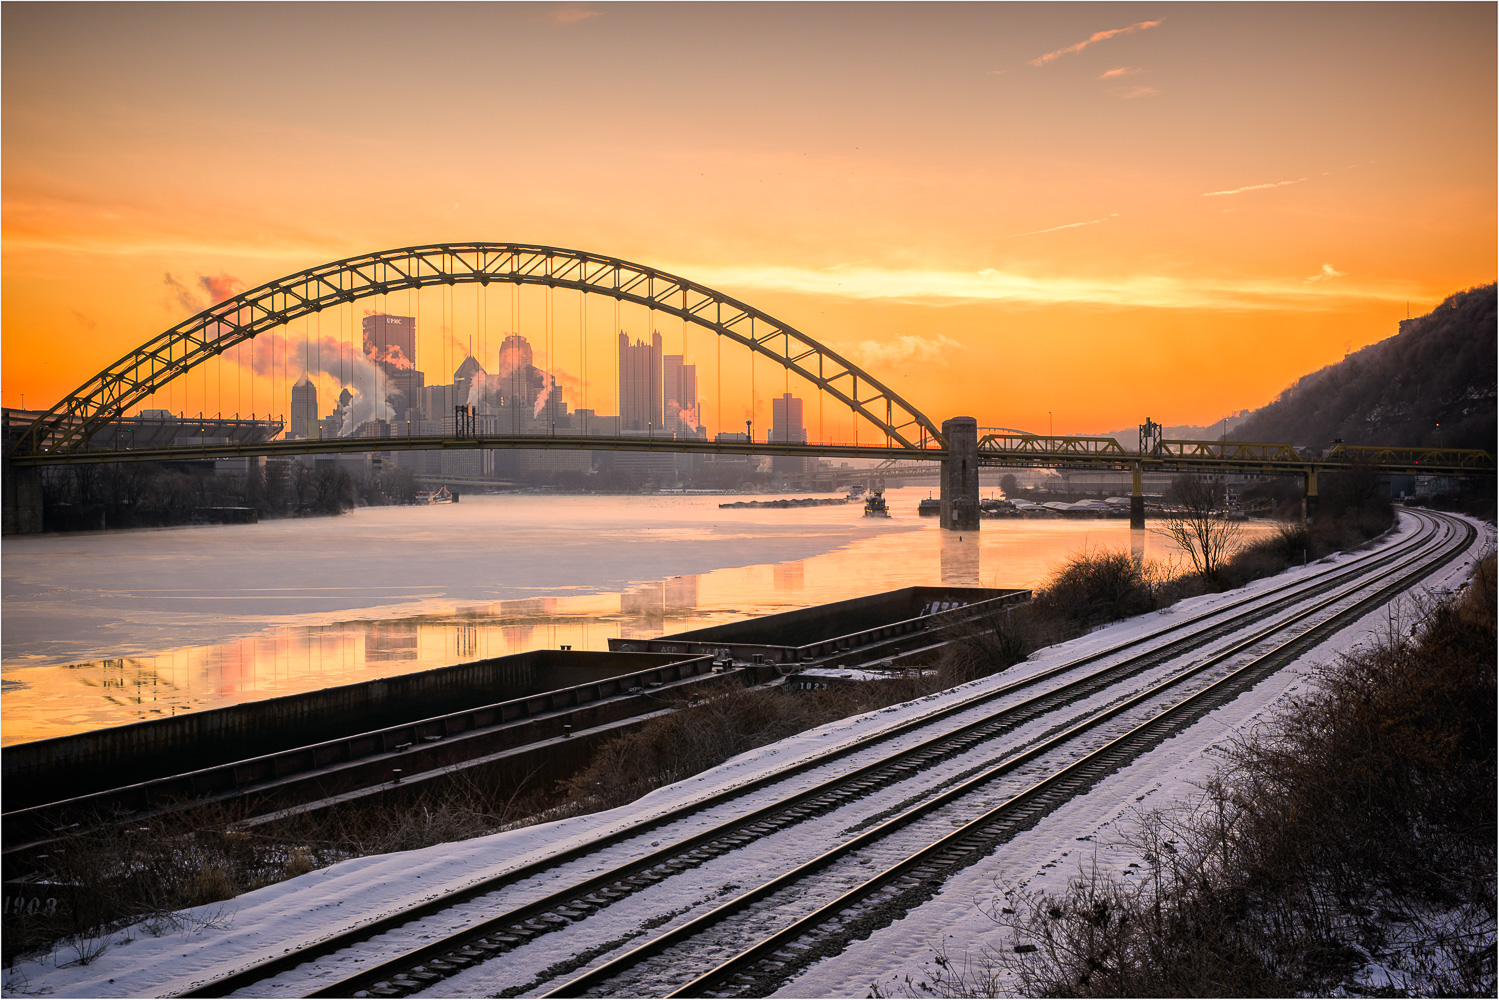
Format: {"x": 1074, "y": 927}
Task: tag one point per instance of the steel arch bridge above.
{"x": 67, "y": 427}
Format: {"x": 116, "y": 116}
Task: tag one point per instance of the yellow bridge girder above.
{"x": 1034, "y": 450}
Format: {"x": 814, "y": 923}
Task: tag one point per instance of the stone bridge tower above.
{"x": 960, "y": 475}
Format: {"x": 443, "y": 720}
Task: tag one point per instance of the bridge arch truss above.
{"x": 68, "y": 425}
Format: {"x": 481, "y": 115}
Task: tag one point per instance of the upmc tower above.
{"x": 382, "y": 332}
{"x": 390, "y": 341}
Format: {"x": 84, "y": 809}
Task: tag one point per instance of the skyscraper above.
{"x": 520, "y": 381}
{"x": 679, "y": 387}
{"x": 786, "y": 420}
{"x": 640, "y": 384}
{"x": 391, "y": 339}
{"x": 304, "y": 418}
{"x": 786, "y": 425}
{"x": 463, "y": 381}
{"x": 390, "y": 342}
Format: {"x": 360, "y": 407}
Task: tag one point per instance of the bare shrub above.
{"x": 991, "y": 641}
{"x": 1292, "y": 541}
{"x": 1198, "y": 526}
{"x": 1291, "y": 544}
{"x": 1095, "y": 586}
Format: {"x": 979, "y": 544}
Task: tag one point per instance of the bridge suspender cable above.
{"x": 70, "y": 425}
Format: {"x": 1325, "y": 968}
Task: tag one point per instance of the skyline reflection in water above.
{"x": 44, "y": 700}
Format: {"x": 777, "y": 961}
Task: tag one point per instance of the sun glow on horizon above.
{"x": 1001, "y": 211}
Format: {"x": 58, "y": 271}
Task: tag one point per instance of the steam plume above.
{"x": 543, "y": 395}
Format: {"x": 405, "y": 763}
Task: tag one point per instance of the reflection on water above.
{"x": 42, "y": 700}
{"x": 790, "y": 577}
{"x": 646, "y": 610}
{"x": 960, "y": 559}
{"x": 1137, "y": 546}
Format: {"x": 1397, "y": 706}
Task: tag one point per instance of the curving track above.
{"x": 814, "y": 855}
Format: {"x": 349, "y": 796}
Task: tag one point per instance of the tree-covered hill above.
{"x": 1431, "y": 384}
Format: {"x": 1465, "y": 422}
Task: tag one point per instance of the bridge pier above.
{"x": 22, "y": 499}
{"x": 1309, "y": 496}
{"x": 960, "y": 475}
{"x": 1137, "y": 502}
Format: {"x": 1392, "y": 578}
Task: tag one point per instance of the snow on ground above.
{"x": 1096, "y": 828}
{"x": 219, "y": 938}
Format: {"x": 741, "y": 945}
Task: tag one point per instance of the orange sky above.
{"x": 1098, "y": 212}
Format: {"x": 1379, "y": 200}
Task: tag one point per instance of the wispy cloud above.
{"x": 221, "y": 286}
{"x": 1251, "y": 187}
{"x": 569, "y": 14}
{"x": 939, "y": 287}
{"x": 1118, "y": 71}
{"x": 182, "y": 295}
{"x": 210, "y": 289}
{"x": 1328, "y": 271}
{"x": 1130, "y": 93}
{"x": 1070, "y": 225}
{"x": 1093, "y": 39}
{"x": 906, "y": 349}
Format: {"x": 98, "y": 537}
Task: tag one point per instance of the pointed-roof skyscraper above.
{"x": 304, "y": 416}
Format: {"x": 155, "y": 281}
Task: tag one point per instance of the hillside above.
{"x": 1438, "y": 370}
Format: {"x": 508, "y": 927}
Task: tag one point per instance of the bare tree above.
{"x": 86, "y": 483}
{"x": 1199, "y": 526}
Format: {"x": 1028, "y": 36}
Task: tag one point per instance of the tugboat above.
{"x": 930, "y": 507}
{"x": 875, "y": 506}
{"x": 440, "y": 495}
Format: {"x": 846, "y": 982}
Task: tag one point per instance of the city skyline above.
{"x": 511, "y": 384}
{"x": 1074, "y": 214}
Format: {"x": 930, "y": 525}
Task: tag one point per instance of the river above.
{"x": 115, "y": 627}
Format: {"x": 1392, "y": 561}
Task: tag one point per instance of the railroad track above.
{"x": 1041, "y": 723}
{"x": 918, "y": 873}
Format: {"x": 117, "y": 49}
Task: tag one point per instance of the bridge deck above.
{"x": 995, "y": 450}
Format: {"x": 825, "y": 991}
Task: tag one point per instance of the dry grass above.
{"x": 695, "y": 738}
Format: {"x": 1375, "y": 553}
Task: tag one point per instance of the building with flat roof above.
{"x": 679, "y": 389}
{"x": 390, "y": 339}
{"x": 786, "y": 426}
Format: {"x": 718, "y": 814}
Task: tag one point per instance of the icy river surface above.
{"x": 115, "y": 627}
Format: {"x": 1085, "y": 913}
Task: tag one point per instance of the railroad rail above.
{"x": 979, "y": 722}
{"x": 916, "y": 876}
